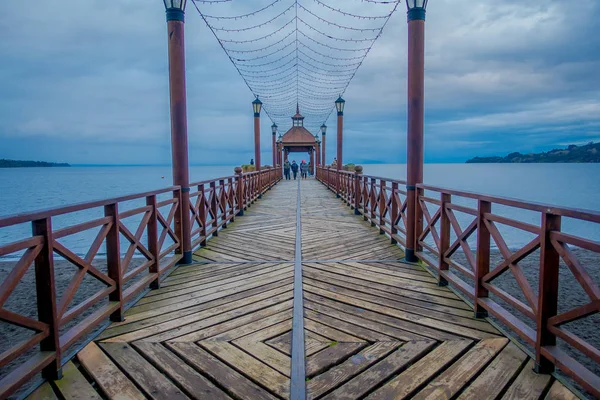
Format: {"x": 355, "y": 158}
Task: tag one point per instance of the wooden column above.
{"x": 323, "y": 150}
{"x": 548, "y": 292}
{"x": 444, "y": 238}
{"x": 312, "y": 161}
{"x": 179, "y": 140}
{"x": 416, "y": 74}
{"x": 357, "y": 188}
{"x": 274, "y": 142}
{"x": 482, "y": 256}
{"x": 113, "y": 260}
{"x": 46, "y": 297}
{"x": 152, "y": 231}
{"x": 340, "y": 134}
{"x": 239, "y": 190}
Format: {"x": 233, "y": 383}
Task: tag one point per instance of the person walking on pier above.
{"x": 303, "y": 169}
{"x": 286, "y": 170}
{"x": 294, "y": 169}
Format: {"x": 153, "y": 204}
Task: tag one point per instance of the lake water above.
{"x": 28, "y": 189}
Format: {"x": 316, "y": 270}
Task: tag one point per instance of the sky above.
{"x": 87, "y": 83}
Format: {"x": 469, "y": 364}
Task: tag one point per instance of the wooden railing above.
{"x": 141, "y": 241}
{"x": 455, "y": 239}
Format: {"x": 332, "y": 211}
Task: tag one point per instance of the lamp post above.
{"x": 416, "y": 94}
{"x": 279, "y": 149}
{"x": 274, "y": 131}
{"x": 256, "y": 107}
{"x": 339, "y": 105}
{"x": 175, "y": 10}
{"x": 323, "y": 133}
{"x": 318, "y": 151}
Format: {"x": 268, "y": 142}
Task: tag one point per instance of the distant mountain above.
{"x": 29, "y": 164}
{"x": 589, "y": 153}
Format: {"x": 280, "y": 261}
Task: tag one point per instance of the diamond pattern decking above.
{"x": 374, "y": 327}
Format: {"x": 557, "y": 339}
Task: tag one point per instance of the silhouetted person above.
{"x": 252, "y": 161}
{"x": 286, "y": 170}
{"x": 294, "y": 169}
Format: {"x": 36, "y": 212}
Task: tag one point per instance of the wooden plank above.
{"x": 195, "y": 385}
{"x": 251, "y": 325}
{"x": 44, "y": 392}
{"x": 233, "y": 382}
{"x": 558, "y": 391}
{"x": 403, "y": 385}
{"x": 274, "y": 288}
{"x": 74, "y": 386}
{"x": 329, "y": 332}
{"x": 113, "y": 383}
{"x": 343, "y": 372}
{"x": 249, "y": 366}
{"x": 358, "y": 331}
{"x": 492, "y": 381}
{"x": 192, "y": 323}
{"x": 312, "y": 346}
{"x": 380, "y": 372}
{"x": 282, "y": 310}
{"x": 268, "y": 355}
{"x": 154, "y": 383}
{"x": 528, "y": 384}
{"x": 411, "y": 322}
{"x": 330, "y": 356}
{"x": 282, "y": 343}
{"x": 382, "y": 299}
{"x": 452, "y": 380}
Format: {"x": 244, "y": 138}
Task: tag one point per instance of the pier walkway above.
{"x": 300, "y": 298}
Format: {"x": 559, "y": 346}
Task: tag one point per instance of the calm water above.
{"x": 28, "y": 189}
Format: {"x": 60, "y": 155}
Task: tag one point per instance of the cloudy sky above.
{"x": 85, "y": 82}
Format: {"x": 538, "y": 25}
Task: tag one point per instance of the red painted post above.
{"x": 444, "y": 238}
{"x": 113, "y": 260}
{"x": 274, "y": 144}
{"x": 548, "y": 291}
{"x": 239, "y": 177}
{"x": 394, "y": 212}
{"x": 312, "y": 161}
{"x": 222, "y": 207}
{"x": 46, "y": 297}
{"x": 202, "y": 213}
{"x": 179, "y": 140}
{"x": 373, "y": 200}
{"x": 482, "y": 256}
{"x": 152, "y": 233}
{"x": 416, "y": 95}
{"x": 382, "y": 205}
{"x": 214, "y": 208}
{"x": 357, "y": 188}
{"x": 323, "y": 149}
{"x": 230, "y": 201}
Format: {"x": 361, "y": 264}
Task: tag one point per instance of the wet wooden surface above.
{"x": 374, "y": 327}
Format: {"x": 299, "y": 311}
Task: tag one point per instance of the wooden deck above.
{"x": 374, "y": 327}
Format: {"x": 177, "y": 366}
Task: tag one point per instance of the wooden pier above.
{"x": 373, "y": 326}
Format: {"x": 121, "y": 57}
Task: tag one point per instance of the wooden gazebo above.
{"x": 297, "y": 140}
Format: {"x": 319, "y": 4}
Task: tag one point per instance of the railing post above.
{"x": 222, "y": 198}
{"x": 240, "y": 190}
{"x": 231, "y": 201}
{"x": 482, "y": 256}
{"x": 153, "y": 241}
{"x": 214, "y": 208}
{"x": 444, "y": 238}
{"x": 113, "y": 260}
{"x": 382, "y": 191}
{"x": 548, "y": 291}
{"x": 202, "y": 213}
{"x": 357, "y": 188}
{"x": 373, "y": 200}
{"x": 418, "y": 219}
{"x": 394, "y": 212}
{"x": 46, "y": 297}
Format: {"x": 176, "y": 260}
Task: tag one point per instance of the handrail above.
{"x": 149, "y": 229}
{"x": 442, "y": 243}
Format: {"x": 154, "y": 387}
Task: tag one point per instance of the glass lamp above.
{"x": 256, "y": 106}
{"x": 416, "y": 9}
{"x": 175, "y": 9}
{"x": 339, "y": 105}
